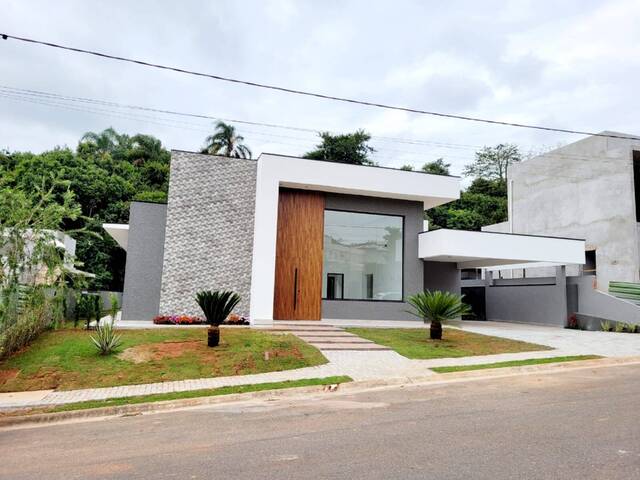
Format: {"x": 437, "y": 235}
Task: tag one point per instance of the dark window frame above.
{"x": 373, "y": 300}
{"x": 341, "y": 275}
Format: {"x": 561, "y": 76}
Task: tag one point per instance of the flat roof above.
{"x": 491, "y": 249}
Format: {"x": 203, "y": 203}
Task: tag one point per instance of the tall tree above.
{"x": 225, "y": 141}
{"x": 437, "y": 167}
{"x": 491, "y": 163}
{"x": 348, "y": 148}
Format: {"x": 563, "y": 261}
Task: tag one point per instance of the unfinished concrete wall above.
{"x": 583, "y": 190}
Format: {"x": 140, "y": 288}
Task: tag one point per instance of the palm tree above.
{"x": 225, "y": 141}
{"x": 217, "y": 306}
{"x": 437, "y": 307}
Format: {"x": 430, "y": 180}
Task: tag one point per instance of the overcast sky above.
{"x": 572, "y": 64}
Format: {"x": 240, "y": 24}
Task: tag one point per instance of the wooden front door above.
{"x": 298, "y": 276}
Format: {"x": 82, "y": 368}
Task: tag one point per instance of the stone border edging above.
{"x": 17, "y": 421}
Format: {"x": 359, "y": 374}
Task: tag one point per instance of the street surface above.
{"x": 580, "y": 424}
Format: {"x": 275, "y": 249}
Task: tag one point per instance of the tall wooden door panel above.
{"x": 298, "y": 275}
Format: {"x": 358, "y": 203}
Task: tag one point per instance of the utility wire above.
{"x": 323, "y": 96}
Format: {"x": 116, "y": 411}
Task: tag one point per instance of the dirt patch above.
{"x": 158, "y": 351}
{"x": 6, "y": 375}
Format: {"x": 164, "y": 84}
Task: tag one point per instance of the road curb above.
{"x": 15, "y": 419}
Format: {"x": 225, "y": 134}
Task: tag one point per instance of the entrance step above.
{"x": 347, "y": 346}
{"x": 341, "y": 340}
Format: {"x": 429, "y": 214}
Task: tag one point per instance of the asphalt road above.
{"x": 575, "y": 425}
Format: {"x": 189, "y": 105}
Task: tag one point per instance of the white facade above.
{"x": 275, "y": 171}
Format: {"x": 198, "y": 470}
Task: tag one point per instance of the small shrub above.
{"x": 97, "y": 308}
{"x": 572, "y": 322}
{"x": 217, "y": 306}
{"x": 605, "y": 326}
{"x": 619, "y": 327}
{"x": 113, "y": 306}
{"x": 106, "y": 339}
{"x": 630, "y": 327}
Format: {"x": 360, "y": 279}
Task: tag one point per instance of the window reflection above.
{"x": 362, "y": 256}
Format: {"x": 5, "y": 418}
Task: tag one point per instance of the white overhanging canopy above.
{"x": 491, "y": 249}
{"x": 119, "y": 232}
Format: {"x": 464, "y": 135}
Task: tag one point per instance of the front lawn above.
{"x": 415, "y": 343}
{"x": 67, "y": 360}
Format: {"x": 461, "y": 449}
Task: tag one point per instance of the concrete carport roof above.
{"x": 489, "y": 249}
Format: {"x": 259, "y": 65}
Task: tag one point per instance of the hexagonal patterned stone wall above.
{"x": 209, "y": 232}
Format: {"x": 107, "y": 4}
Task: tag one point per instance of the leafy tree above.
{"x": 493, "y": 188}
{"x": 225, "y": 141}
{"x": 33, "y": 271}
{"x": 437, "y": 167}
{"x": 106, "y": 172}
{"x": 347, "y": 148}
{"x": 491, "y": 163}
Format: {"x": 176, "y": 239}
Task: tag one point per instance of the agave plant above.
{"x": 106, "y": 339}
{"x": 437, "y": 307}
{"x": 216, "y": 307}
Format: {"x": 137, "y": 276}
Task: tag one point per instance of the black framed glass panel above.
{"x": 363, "y": 256}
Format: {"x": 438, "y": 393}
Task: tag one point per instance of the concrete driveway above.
{"x": 569, "y": 342}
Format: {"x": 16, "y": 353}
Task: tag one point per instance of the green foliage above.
{"x": 348, "y": 148}
{"x": 407, "y": 167}
{"x": 217, "y": 305}
{"x": 105, "y": 173}
{"x": 114, "y": 306}
{"x": 33, "y": 270}
{"x": 437, "y": 167}
{"x": 491, "y": 163}
{"x": 619, "y": 327}
{"x": 605, "y": 326}
{"x": 106, "y": 339}
{"x": 225, "y": 141}
{"x": 483, "y": 203}
{"x": 84, "y": 308}
{"x": 437, "y": 306}
{"x": 97, "y": 308}
{"x": 630, "y": 327}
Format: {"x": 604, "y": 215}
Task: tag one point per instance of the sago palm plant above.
{"x": 216, "y": 307}
{"x": 437, "y": 307}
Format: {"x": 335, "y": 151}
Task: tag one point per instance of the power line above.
{"x": 410, "y": 141}
{"x": 323, "y": 96}
{"x": 53, "y": 99}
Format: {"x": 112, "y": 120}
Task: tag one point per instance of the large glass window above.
{"x": 362, "y": 256}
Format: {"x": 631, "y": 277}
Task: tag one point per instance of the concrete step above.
{"x": 303, "y": 330}
{"x": 357, "y": 341}
{"x": 346, "y": 346}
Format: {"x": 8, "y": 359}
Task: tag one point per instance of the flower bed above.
{"x": 233, "y": 319}
{"x": 178, "y": 320}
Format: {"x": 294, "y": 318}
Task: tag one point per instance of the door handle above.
{"x": 295, "y": 288}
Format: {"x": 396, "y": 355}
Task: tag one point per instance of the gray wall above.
{"x": 143, "y": 272}
{"x": 209, "y": 235}
{"x": 413, "y": 266}
{"x": 442, "y": 276}
{"x": 542, "y": 301}
{"x": 602, "y": 305}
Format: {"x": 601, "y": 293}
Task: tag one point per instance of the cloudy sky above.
{"x": 569, "y": 64}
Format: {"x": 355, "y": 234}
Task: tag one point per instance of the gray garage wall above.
{"x": 143, "y": 271}
{"x": 442, "y": 276}
{"x": 526, "y": 300}
{"x": 413, "y": 266}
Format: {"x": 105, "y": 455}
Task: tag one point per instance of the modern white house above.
{"x": 305, "y": 239}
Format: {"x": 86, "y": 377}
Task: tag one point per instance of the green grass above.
{"x": 514, "y": 363}
{"x": 212, "y": 392}
{"x": 415, "y": 343}
{"x": 67, "y": 359}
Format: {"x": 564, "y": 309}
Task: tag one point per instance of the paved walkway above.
{"x": 350, "y": 355}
